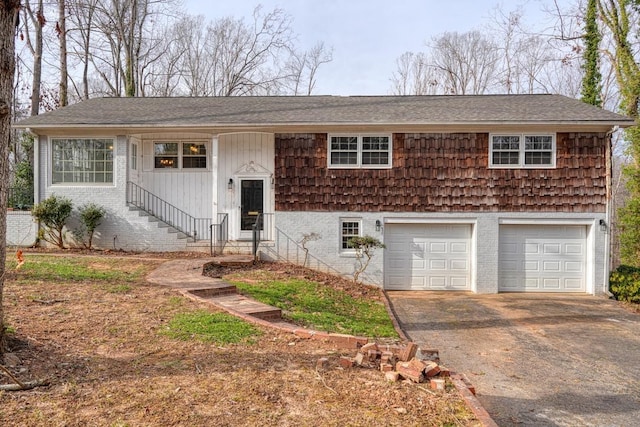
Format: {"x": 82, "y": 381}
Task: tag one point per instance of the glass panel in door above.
{"x": 251, "y": 202}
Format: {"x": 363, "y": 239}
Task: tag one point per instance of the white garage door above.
{"x": 547, "y": 258}
{"x": 427, "y": 256}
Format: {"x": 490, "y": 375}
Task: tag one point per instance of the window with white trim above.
{"x": 349, "y": 227}
{"x": 134, "y": 156}
{"x": 177, "y": 154}
{"x": 522, "y": 150}
{"x": 359, "y": 151}
{"x": 82, "y": 160}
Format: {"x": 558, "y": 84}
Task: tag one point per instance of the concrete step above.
{"x": 244, "y": 246}
{"x": 248, "y": 306}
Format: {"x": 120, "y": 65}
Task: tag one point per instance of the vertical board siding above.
{"x": 188, "y": 190}
{"x": 235, "y": 152}
{"x": 441, "y": 172}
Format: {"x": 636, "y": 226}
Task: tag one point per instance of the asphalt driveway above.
{"x": 534, "y": 359}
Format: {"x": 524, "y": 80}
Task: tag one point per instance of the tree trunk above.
{"x": 61, "y": 29}
{"x": 8, "y": 20}
{"x": 38, "y": 21}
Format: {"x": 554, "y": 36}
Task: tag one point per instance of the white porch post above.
{"x": 215, "y": 178}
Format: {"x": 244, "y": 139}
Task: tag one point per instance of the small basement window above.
{"x": 522, "y": 151}
{"x": 359, "y": 151}
{"x": 349, "y": 228}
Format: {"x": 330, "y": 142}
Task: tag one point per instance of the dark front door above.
{"x": 251, "y": 202}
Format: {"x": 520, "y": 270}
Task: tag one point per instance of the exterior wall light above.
{"x": 230, "y": 184}
{"x": 603, "y": 225}
{"x": 378, "y": 225}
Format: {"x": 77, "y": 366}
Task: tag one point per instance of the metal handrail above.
{"x": 219, "y": 234}
{"x": 262, "y": 230}
{"x": 255, "y": 232}
{"x": 287, "y": 249}
{"x": 197, "y": 228}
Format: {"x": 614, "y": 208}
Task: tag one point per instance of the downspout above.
{"x": 607, "y": 236}
{"x": 36, "y": 179}
{"x": 36, "y": 166}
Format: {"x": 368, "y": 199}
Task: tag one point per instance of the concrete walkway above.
{"x": 535, "y": 359}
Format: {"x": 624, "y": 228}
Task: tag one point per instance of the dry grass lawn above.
{"x": 98, "y": 343}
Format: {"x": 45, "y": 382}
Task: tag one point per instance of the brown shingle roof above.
{"x": 315, "y": 110}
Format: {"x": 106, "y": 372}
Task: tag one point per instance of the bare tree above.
{"x": 61, "y": 30}
{"x": 245, "y": 57}
{"x": 303, "y": 68}
{"x": 9, "y": 15}
{"x": 467, "y": 62}
{"x": 82, "y": 14}
{"x": 37, "y": 20}
{"x": 195, "y": 64}
{"x": 413, "y": 75}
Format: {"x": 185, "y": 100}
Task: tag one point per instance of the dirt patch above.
{"x": 108, "y": 365}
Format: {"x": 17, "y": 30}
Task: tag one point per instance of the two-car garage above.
{"x": 446, "y": 256}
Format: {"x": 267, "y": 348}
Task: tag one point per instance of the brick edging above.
{"x": 472, "y": 401}
{"x": 392, "y": 316}
{"x": 342, "y": 340}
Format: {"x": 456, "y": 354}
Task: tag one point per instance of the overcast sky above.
{"x": 368, "y": 35}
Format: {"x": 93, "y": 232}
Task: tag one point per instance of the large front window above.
{"x": 82, "y": 160}
{"x": 359, "y": 151}
{"x": 522, "y": 151}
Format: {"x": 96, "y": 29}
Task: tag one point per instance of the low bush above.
{"x": 53, "y": 213}
{"x": 624, "y": 283}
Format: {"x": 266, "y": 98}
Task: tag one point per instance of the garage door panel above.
{"x": 551, "y": 249}
{"x": 531, "y": 248}
{"x": 551, "y": 266}
{"x": 437, "y": 282}
{"x": 574, "y": 267}
{"x": 533, "y": 266}
{"x": 436, "y": 256}
{"x": 551, "y": 258}
{"x": 551, "y": 283}
{"x": 438, "y": 264}
{"x": 459, "y": 248}
{"x": 532, "y": 284}
{"x": 459, "y": 265}
{"x": 459, "y": 283}
{"x": 573, "y": 284}
{"x": 574, "y": 249}
{"x": 438, "y": 247}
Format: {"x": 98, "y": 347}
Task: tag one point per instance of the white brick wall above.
{"x": 21, "y": 229}
{"x": 121, "y": 228}
{"x": 485, "y": 241}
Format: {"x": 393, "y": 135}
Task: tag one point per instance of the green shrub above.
{"x": 53, "y": 213}
{"x": 90, "y": 217}
{"x": 624, "y": 283}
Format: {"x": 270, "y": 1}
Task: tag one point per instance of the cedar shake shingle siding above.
{"x": 441, "y": 173}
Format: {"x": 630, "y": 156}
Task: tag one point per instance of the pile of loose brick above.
{"x": 398, "y": 362}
